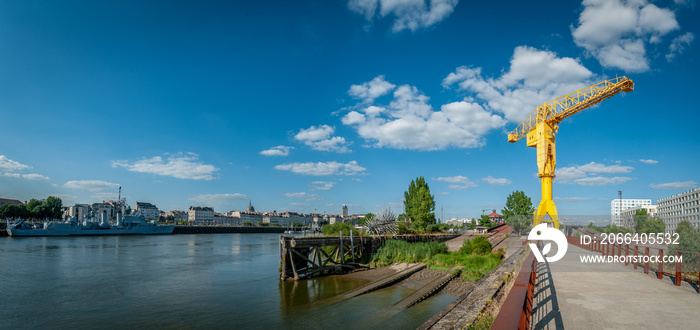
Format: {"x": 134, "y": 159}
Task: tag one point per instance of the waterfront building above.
{"x": 147, "y": 210}
{"x": 246, "y": 216}
{"x": 4, "y": 201}
{"x": 679, "y": 207}
{"x": 200, "y": 214}
{"x": 458, "y": 222}
{"x": 293, "y": 217}
{"x": 275, "y": 218}
{"x": 98, "y": 208}
{"x": 79, "y": 211}
{"x": 225, "y": 219}
{"x": 178, "y": 215}
{"x": 619, "y": 205}
{"x": 250, "y": 207}
{"x": 627, "y": 218}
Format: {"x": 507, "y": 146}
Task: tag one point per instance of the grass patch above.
{"x": 475, "y": 256}
{"x": 401, "y": 251}
{"x": 475, "y": 266}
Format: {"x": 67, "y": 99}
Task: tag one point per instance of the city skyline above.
{"x": 309, "y": 106}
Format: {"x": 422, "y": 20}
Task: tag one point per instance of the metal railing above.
{"x": 685, "y": 270}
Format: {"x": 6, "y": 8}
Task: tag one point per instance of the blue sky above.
{"x": 303, "y": 105}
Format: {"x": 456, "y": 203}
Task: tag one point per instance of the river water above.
{"x": 228, "y": 281}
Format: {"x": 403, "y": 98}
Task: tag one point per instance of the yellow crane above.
{"x": 542, "y": 125}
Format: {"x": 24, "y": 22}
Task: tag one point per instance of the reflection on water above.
{"x": 181, "y": 281}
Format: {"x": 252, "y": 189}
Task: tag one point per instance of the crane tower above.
{"x": 541, "y": 126}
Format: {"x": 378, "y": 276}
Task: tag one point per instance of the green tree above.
{"x": 14, "y": 211}
{"x": 518, "y": 203}
{"x": 484, "y": 221}
{"x": 643, "y": 223}
{"x": 33, "y": 203}
{"x": 518, "y": 211}
{"x": 54, "y": 206}
{"x": 688, "y": 238}
{"x": 419, "y": 204}
{"x": 472, "y": 224}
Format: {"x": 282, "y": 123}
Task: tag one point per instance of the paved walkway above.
{"x": 574, "y": 295}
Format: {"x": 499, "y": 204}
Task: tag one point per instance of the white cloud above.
{"x": 410, "y": 14}
{"x": 601, "y": 181}
{"x": 34, "y": 176}
{"x": 13, "y": 175}
{"x": 91, "y": 185}
{"x": 319, "y": 138}
{"x": 217, "y": 199}
{"x": 649, "y": 161}
{"x": 678, "y": 45}
{"x": 675, "y": 185}
{"x": 460, "y": 182}
{"x": 617, "y": 33}
{"x": 371, "y": 90}
{"x": 181, "y": 166}
{"x": 314, "y": 133}
{"x": 9, "y": 165}
{"x": 572, "y": 199}
{"x": 496, "y": 181}
{"x": 579, "y": 174}
{"x": 277, "y": 151}
{"x": 321, "y": 185}
{"x": 534, "y": 77}
{"x": 306, "y": 196}
{"x": 594, "y": 167}
{"x": 409, "y": 122}
{"x": 321, "y": 168}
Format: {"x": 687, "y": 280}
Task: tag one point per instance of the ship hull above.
{"x": 139, "y": 230}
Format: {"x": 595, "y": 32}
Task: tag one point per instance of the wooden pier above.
{"x": 305, "y": 257}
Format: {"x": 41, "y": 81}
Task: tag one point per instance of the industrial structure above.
{"x": 541, "y": 126}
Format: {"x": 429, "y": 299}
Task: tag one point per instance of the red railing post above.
{"x": 678, "y": 270}
{"x": 635, "y": 255}
{"x": 627, "y": 253}
{"x": 660, "y": 270}
{"x": 619, "y": 250}
{"x": 646, "y": 264}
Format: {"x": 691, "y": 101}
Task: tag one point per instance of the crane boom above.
{"x": 560, "y": 108}
{"x": 542, "y": 125}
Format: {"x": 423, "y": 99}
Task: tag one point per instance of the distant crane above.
{"x": 542, "y": 125}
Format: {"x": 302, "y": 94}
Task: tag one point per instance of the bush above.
{"x": 432, "y": 228}
{"x": 466, "y": 247}
{"x": 336, "y": 228}
{"x": 402, "y": 227}
{"x": 481, "y": 245}
{"x": 478, "y": 245}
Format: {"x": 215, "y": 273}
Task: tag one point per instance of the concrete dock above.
{"x": 575, "y": 295}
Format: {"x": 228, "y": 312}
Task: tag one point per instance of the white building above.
{"x": 147, "y": 210}
{"x": 200, "y": 214}
{"x": 679, "y": 207}
{"x": 627, "y": 219}
{"x": 79, "y": 211}
{"x": 98, "y": 208}
{"x": 619, "y": 205}
{"x": 247, "y": 216}
{"x": 458, "y": 222}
